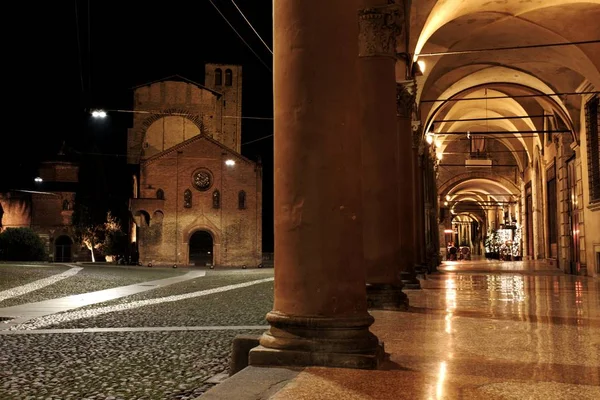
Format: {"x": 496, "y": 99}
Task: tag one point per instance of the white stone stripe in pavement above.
{"x": 35, "y": 285}
{"x": 81, "y": 314}
{"x": 24, "y": 312}
{"x": 138, "y": 329}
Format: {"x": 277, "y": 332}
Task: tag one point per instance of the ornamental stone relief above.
{"x": 405, "y": 100}
{"x": 378, "y": 30}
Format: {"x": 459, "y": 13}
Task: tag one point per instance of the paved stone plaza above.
{"x": 164, "y": 342}
{"x": 476, "y": 330}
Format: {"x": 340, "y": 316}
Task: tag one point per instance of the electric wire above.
{"x": 89, "y": 51}
{"x": 79, "y": 50}
{"x": 240, "y": 36}
{"x": 246, "y": 19}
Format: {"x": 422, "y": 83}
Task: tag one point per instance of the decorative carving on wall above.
{"x": 378, "y": 30}
{"x": 405, "y": 100}
{"x": 202, "y": 179}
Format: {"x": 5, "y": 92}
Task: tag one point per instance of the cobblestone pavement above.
{"x": 245, "y": 306}
{"x": 38, "y": 284}
{"x": 128, "y": 365}
{"x": 178, "y": 310}
{"x": 91, "y": 279}
{"x": 12, "y": 275}
{"x": 166, "y": 365}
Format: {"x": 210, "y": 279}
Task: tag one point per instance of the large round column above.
{"x": 419, "y": 200}
{"x": 320, "y": 312}
{"x": 405, "y": 97}
{"x": 378, "y": 29}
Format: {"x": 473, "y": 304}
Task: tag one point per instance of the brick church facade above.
{"x": 47, "y": 209}
{"x": 196, "y": 200}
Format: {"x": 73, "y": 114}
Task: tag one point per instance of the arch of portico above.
{"x": 327, "y": 82}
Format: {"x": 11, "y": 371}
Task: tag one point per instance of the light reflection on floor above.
{"x": 480, "y": 330}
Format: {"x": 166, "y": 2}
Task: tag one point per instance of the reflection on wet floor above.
{"x": 480, "y": 330}
{"x": 499, "y": 325}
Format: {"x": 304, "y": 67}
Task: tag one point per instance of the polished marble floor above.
{"x": 479, "y": 330}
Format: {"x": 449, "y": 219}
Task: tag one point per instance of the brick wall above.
{"x": 236, "y": 233}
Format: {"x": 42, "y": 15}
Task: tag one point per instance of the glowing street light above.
{"x": 230, "y": 163}
{"x": 99, "y": 114}
{"x": 429, "y": 138}
{"x": 38, "y": 179}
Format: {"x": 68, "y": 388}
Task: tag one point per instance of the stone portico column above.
{"x": 405, "y": 102}
{"x": 378, "y": 28}
{"x": 418, "y": 198}
{"x": 320, "y": 312}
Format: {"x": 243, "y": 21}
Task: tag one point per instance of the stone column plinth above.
{"x": 320, "y": 312}
{"x": 378, "y": 28}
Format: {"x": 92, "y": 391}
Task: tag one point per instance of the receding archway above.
{"x": 201, "y": 247}
{"x": 62, "y": 249}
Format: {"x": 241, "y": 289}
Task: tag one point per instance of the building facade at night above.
{"x": 196, "y": 199}
{"x": 47, "y": 209}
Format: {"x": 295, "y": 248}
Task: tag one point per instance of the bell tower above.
{"x": 227, "y": 80}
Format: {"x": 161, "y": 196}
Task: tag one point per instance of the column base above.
{"x": 386, "y": 297}
{"x": 409, "y": 280}
{"x": 344, "y": 342}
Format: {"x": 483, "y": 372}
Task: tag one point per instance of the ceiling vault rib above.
{"x": 533, "y": 46}
{"x": 520, "y": 96}
{"x": 490, "y": 118}
{"x": 498, "y": 132}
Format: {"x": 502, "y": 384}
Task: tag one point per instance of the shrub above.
{"x": 21, "y": 244}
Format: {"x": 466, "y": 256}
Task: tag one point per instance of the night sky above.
{"x": 52, "y": 85}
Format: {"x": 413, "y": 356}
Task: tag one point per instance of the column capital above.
{"x": 378, "y": 28}
{"x": 417, "y": 138}
{"x": 406, "y": 93}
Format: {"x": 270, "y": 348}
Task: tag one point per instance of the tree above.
{"x": 115, "y": 242}
{"x": 88, "y": 231}
{"x": 21, "y": 244}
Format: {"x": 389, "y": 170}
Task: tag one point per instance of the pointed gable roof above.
{"x": 178, "y": 78}
{"x": 188, "y": 142}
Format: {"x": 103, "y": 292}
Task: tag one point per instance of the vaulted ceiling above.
{"x": 467, "y": 85}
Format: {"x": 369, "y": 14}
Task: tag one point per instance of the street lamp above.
{"x": 230, "y": 163}
{"x": 99, "y": 114}
{"x": 38, "y": 179}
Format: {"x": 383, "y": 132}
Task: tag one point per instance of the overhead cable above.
{"x": 246, "y": 19}
{"x": 240, "y": 36}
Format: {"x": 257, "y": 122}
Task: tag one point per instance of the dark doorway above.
{"x": 201, "y": 249}
{"x": 62, "y": 252}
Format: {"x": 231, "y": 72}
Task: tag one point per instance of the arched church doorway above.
{"x": 62, "y": 249}
{"x": 201, "y": 248}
